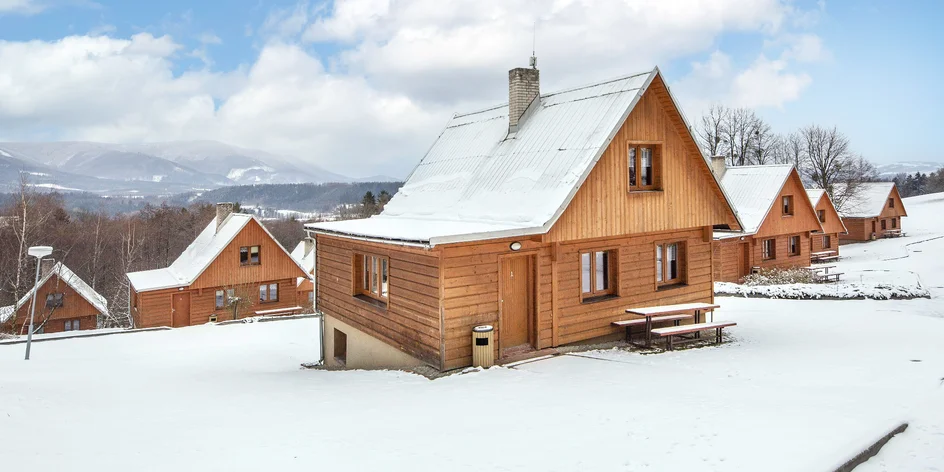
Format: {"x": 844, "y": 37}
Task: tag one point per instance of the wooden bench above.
{"x": 892, "y": 233}
{"x": 628, "y": 324}
{"x": 279, "y": 311}
{"x": 829, "y": 277}
{"x": 671, "y": 332}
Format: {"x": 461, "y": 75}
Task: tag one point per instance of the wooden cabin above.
{"x": 829, "y": 218}
{"x": 64, "y": 303}
{"x": 234, "y": 269}
{"x": 545, "y": 217}
{"x": 873, "y": 210}
{"x": 304, "y": 255}
{"x": 778, "y": 220}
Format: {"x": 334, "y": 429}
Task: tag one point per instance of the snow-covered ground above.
{"x": 804, "y": 386}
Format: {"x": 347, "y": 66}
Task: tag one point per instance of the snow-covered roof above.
{"x": 815, "y": 194}
{"x": 478, "y": 181}
{"x": 198, "y": 256}
{"x": 306, "y": 259}
{"x": 868, "y": 200}
{"x": 752, "y": 191}
{"x": 65, "y": 275}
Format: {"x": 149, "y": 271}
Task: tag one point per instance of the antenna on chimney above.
{"x": 534, "y": 34}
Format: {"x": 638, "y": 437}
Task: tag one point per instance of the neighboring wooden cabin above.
{"x": 778, "y": 221}
{"x": 65, "y": 303}
{"x": 829, "y": 218}
{"x": 546, "y": 219}
{"x": 234, "y": 269}
{"x": 874, "y": 210}
{"x": 304, "y": 255}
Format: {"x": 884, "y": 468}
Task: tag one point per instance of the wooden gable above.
{"x": 803, "y": 218}
{"x": 225, "y": 270}
{"x": 833, "y": 222}
{"x": 689, "y": 197}
{"x": 899, "y": 208}
{"x": 74, "y": 305}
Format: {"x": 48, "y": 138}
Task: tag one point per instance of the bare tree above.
{"x": 710, "y": 129}
{"x": 831, "y": 164}
{"x": 738, "y": 134}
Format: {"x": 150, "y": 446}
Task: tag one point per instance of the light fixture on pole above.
{"x": 39, "y": 252}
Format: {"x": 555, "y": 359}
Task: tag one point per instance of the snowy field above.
{"x": 804, "y": 386}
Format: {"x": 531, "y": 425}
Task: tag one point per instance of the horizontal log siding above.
{"x": 74, "y": 306}
{"x": 471, "y": 298}
{"x": 783, "y": 260}
{"x": 637, "y": 286}
{"x": 816, "y": 241}
{"x": 603, "y": 207}
{"x": 154, "y": 308}
{"x": 411, "y": 320}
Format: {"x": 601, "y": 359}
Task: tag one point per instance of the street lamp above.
{"x": 39, "y": 252}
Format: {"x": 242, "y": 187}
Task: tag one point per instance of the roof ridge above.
{"x": 558, "y": 92}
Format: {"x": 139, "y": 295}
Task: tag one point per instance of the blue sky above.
{"x": 362, "y": 86}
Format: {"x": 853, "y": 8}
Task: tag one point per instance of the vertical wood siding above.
{"x": 602, "y": 207}
{"x": 225, "y": 270}
{"x": 804, "y": 217}
{"x": 74, "y": 306}
{"x": 411, "y": 320}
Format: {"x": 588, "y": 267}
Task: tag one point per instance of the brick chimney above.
{"x": 523, "y": 88}
{"x": 45, "y": 267}
{"x": 222, "y": 211}
{"x": 718, "y": 166}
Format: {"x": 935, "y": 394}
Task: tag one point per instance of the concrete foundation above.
{"x": 361, "y": 350}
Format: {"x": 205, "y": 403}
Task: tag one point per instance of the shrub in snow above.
{"x": 780, "y": 277}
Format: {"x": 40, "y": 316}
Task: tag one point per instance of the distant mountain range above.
{"x": 152, "y": 169}
{"x": 908, "y": 167}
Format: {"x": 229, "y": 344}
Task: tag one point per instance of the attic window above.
{"x": 54, "y": 300}
{"x": 788, "y": 205}
{"x": 643, "y": 163}
{"x": 891, "y": 203}
{"x": 249, "y": 255}
{"x": 822, "y": 215}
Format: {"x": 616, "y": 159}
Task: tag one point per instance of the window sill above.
{"x": 599, "y": 298}
{"x": 371, "y": 301}
{"x": 667, "y": 287}
{"x": 645, "y": 191}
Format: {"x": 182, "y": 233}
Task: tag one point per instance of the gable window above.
{"x": 884, "y": 225}
{"x": 827, "y": 242}
{"x": 597, "y": 269}
{"x": 371, "y": 274}
{"x": 822, "y": 215}
{"x": 249, "y": 255}
{"x": 219, "y": 299}
{"x": 669, "y": 263}
{"x": 643, "y": 163}
{"x": 54, "y": 300}
{"x": 268, "y": 293}
{"x": 894, "y": 223}
{"x": 788, "y": 205}
{"x": 769, "y": 249}
{"x": 891, "y": 203}
{"x": 794, "y": 245}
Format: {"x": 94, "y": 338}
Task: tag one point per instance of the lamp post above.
{"x": 39, "y": 252}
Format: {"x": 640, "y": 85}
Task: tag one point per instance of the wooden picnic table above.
{"x": 666, "y": 310}
{"x": 824, "y": 256}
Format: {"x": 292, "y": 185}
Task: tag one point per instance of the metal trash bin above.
{"x": 483, "y": 353}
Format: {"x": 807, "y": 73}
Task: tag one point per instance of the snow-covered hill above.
{"x": 908, "y": 167}
{"x": 180, "y": 165}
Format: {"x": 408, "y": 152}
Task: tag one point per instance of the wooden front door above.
{"x": 744, "y": 260}
{"x": 181, "y": 310}
{"x": 516, "y": 301}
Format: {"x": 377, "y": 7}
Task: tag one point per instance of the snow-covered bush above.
{"x": 780, "y": 277}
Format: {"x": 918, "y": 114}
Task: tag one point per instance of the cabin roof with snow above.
{"x": 198, "y": 256}
{"x": 817, "y": 194}
{"x": 752, "y": 190}
{"x": 480, "y": 181}
{"x": 868, "y": 201}
{"x": 72, "y": 280}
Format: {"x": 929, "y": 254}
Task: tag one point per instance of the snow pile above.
{"x": 831, "y": 291}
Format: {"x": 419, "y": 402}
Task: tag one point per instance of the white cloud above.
{"x": 402, "y": 69}
{"x": 20, "y": 6}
